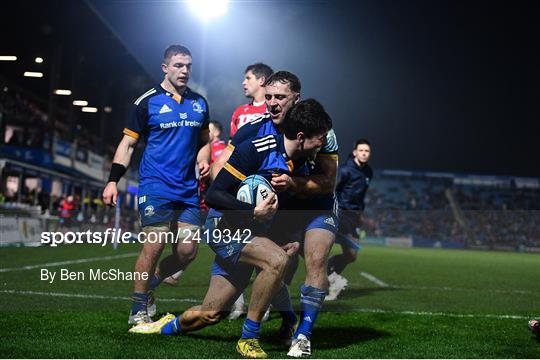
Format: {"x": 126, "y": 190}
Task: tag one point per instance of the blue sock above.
{"x": 282, "y": 303}
{"x": 172, "y": 327}
{"x": 154, "y": 283}
{"x": 311, "y": 300}
{"x": 139, "y": 302}
{"x": 251, "y": 329}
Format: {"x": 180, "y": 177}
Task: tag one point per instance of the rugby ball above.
{"x": 254, "y": 189}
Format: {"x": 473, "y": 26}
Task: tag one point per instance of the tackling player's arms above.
{"x": 322, "y": 180}
{"x": 322, "y": 183}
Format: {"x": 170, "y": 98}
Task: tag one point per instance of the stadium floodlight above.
{"x": 62, "y": 92}
{"x": 38, "y": 60}
{"x": 80, "y": 102}
{"x": 107, "y": 109}
{"x": 7, "y": 58}
{"x": 208, "y": 9}
{"x": 33, "y": 74}
{"x": 89, "y": 109}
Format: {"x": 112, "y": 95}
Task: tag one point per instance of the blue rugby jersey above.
{"x": 265, "y": 126}
{"x": 263, "y": 156}
{"x": 258, "y": 127}
{"x": 260, "y": 156}
{"x": 171, "y": 127}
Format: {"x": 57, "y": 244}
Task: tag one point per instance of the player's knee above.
{"x": 187, "y": 254}
{"x": 186, "y": 251}
{"x": 154, "y": 237}
{"x": 277, "y": 262}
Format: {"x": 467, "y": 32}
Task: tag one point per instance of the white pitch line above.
{"x": 427, "y": 313}
{"x": 370, "y": 311}
{"x": 68, "y": 262}
{"x": 441, "y": 288}
{"x": 374, "y": 279}
{"x": 447, "y": 288}
{"x": 88, "y": 296}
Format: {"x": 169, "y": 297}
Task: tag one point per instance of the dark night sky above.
{"x": 440, "y": 86}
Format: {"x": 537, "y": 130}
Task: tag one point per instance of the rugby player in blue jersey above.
{"x": 316, "y": 222}
{"x": 173, "y": 121}
{"x": 304, "y": 134}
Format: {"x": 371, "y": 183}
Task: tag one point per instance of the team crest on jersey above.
{"x": 197, "y": 107}
{"x": 149, "y": 210}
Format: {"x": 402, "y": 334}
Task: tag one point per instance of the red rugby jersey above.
{"x": 244, "y": 114}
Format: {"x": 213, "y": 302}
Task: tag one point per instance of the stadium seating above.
{"x": 486, "y": 215}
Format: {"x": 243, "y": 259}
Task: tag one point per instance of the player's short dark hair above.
{"x": 307, "y": 116}
{"x": 217, "y": 125}
{"x": 285, "y": 77}
{"x": 361, "y": 142}
{"x": 260, "y": 70}
{"x": 173, "y": 50}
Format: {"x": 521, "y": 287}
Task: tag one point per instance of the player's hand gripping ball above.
{"x": 254, "y": 189}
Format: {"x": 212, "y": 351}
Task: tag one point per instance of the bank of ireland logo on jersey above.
{"x": 149, "y": 210}
{"x": 183, "y": 116}
{"x": 197, "y": 107}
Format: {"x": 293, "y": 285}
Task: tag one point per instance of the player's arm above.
{"x": 204, "y": 155}
{"x": 324, "y": 179}
{"x": 322, "y": 183}
{"x": 137, "y": 124}
{"x": 222, "y": 193}
{"x": 120, "y": 163}
{"x": 220, "y": 196}
{"x": 362, "y": 202}
{"x": 242, "y": 162}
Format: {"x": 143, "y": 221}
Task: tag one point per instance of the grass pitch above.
{"x": 400, "y": 303}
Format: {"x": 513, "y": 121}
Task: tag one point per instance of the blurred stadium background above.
{"x": 52, "y": 147}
